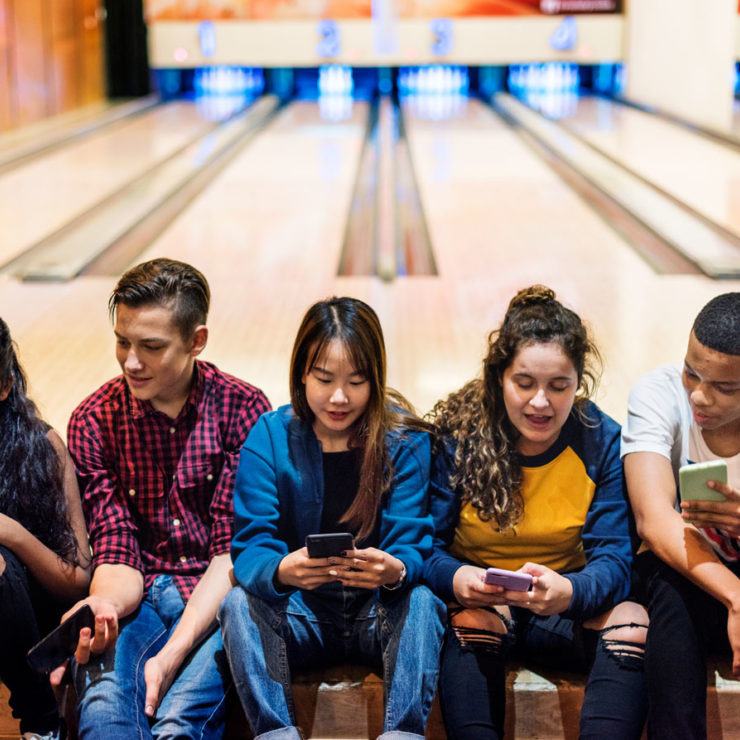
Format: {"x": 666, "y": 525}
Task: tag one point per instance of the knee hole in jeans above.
{"x": 625, "y": 643}
{"x": 2, "y": 565}
{"x": 482, "y": 629}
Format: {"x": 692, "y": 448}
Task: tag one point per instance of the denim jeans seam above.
{"x": 136, "y": 684}
{"x": 216, "y": 708}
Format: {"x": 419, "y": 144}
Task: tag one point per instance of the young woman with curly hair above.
{"x": 44, "y": 557}
{"x": 532, "y": 482}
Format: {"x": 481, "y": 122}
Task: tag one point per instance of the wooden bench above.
{"x": 347, "y": 702}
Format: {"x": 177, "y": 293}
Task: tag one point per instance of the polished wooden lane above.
{"x": 42, "y": 196}
{"x": 501, "y": 219}
{"x": 268, "y": 231}
{"x": 701, "y": 172}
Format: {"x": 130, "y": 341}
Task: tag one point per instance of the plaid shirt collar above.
{"x": 140, "y": 408}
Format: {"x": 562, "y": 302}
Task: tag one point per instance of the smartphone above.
{"x": 509, "y": 579}
{"x": 60, "y": 644}
{"x": 692, "y": 480}
{"x": 329, "y": 544}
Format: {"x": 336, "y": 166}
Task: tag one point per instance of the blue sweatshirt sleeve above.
{"x": 607, "y": 542}
{"x": 257, "y": 548}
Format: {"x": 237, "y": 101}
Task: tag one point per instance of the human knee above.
{"x": 479, "y": 628}
{"x": 2, "y": 564}
{"x": 624, "y": 634}
{"x": 627, "y": 622}
{"x": 234, "y": 603}
{"x": 422, "y": 601}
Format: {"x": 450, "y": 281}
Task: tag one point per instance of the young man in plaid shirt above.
{"x": 156, "y": 451}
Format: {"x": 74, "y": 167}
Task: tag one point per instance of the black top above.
{"x": 341, "y": 481}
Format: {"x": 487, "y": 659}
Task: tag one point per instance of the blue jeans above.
{"x": 111, "y": 690}
{"x": 401, "y": 636}
{"x": 472, "y": 682}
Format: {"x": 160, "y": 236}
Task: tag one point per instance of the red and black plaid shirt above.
{"x": 158, "y": 492}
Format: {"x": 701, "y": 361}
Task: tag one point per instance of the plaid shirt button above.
{"x": 183, "y": 559}
{"x": 176, "y": 522}
{"x": 132, "y": 492}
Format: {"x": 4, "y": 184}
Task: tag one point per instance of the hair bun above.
{"x": 532, "y": 296}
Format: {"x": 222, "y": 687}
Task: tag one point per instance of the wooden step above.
{"x": 347, "y": 702}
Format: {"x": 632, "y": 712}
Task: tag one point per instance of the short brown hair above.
{"x": 169, "y": 283}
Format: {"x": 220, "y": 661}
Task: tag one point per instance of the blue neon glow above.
{"x": 551, "y": 88}
{"x": 228, "y": 81}
{"x": 433, "y": 79}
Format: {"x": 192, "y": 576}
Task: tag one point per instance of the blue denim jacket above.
{"x": 279, "y": 494}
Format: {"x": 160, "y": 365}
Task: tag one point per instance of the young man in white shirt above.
{"x": 691, "y": 575}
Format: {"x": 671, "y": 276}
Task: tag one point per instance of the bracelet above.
{"x": 399, "y": 582}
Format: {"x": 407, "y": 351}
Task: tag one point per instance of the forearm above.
{"x": 199, "y": 614}
{"x": 652, "y": 490}
{"x": 62, "y": 579}
{"x": 120, "y": 585}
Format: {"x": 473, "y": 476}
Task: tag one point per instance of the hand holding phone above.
{"x": 509, "y": 579}
{"x": 329, "y": 544}
{"x": 693, "y": 478}
{"x": 60, "y": 644}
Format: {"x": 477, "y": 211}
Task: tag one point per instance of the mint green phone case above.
{"x": 692, "y": 480}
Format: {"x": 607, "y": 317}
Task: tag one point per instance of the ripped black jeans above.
{"x": 26, "y": 614}
{"x": 473, "y": 675}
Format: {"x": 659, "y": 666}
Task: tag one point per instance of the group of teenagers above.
{"x": 180, "y": 514}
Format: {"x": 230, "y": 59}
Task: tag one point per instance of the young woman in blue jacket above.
{"x": 533, "y": 483}
{"x": 346, "y": 456}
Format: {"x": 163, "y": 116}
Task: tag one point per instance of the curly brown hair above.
{"x": 486, "y": 469}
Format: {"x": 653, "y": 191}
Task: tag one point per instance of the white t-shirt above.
{"x": 659, "y": 420}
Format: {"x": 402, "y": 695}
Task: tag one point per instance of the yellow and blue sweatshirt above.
{"x": 576, "y": 519}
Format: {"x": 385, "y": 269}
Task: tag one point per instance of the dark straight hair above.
{"x": 356, "y": 326}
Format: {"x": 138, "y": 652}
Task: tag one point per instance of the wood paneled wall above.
{"x": 51, "y": 58}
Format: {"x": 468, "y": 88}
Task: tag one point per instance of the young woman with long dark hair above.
{"x": 44, "y": 557}
{"x": 533, "y": 483}
{"x": 346, "y": 456}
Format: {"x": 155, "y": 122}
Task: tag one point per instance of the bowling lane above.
{"x": 501, "y": 219}
{"x": 42, "y": 196}
{"x": 267, "y": 234}
{"x": 702, "y": 173}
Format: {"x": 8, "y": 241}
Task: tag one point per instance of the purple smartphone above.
{"x": 509, "y": 579}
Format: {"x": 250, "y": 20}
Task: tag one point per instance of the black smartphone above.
{"x": 60, "y": 644}
{"x": 329, "y": 544}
